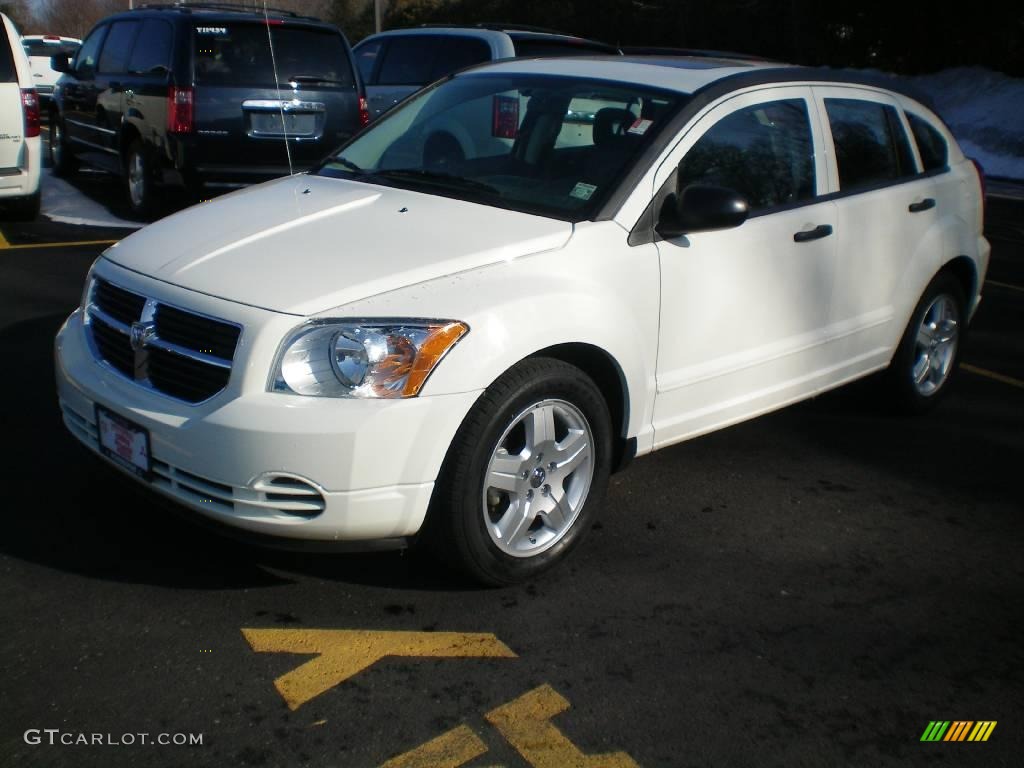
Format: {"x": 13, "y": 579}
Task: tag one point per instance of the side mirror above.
{"x": 701, "y": 208}
{"x": 60, "y": 63}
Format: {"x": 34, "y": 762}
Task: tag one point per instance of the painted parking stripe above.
{"x": 449, "y": 750}
{"x": 342, "y": 653}
{"x": 1000, "y": 377}
{"x": 6, "y": 246}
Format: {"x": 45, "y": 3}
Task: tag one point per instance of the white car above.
{"x": 20, "y": 145}
{"x": 392, "y": 348}
{"x": 39, "y": 49}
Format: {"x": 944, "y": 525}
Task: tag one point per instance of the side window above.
{"x": 89, "y": 53}
{"x": 458, "y": 53}
{"x": 871, "y": 146}
{"x": 930, "y": 143}
{"x": 407, "y": 60}
{"x": 114, "y": 58}
{"x": 153, "y": 48}
{"x": 765, "y": 152}
{"x": 366, "y": 59}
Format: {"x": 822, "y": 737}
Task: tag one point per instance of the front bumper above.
{"x": 318, "y": 469}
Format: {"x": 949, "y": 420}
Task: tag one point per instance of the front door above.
{"x": 744, "y": 310}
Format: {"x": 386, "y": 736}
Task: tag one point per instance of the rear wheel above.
{"x": 139, "y": 180}
{"x": 525, "y": 474}
{"x": 63, "y": 162}
{"x": 928, "y": 354}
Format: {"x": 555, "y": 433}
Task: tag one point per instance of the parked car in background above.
{"x": 205, "y": 97}
{"x": 40, "y": 49}
{"x": 20, "y": 144}
{"x": 398, "y": 62}
{"x": 382, "y": 350}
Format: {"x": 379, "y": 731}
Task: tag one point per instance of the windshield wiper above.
{"x": 436, "y": 177}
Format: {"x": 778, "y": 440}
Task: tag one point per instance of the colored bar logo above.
{"x": 958, "y": 730}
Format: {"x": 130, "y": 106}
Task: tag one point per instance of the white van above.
{"x": 20, "y": 146}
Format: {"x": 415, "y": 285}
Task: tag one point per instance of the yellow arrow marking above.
{"x": 526, "y": 724}
{"x": 343, "y": 653}
{"x": 3, "y": 242}
{"x": 1000, "y": 377}
{"x": 449, "y": 750}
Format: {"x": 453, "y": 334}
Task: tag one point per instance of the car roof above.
{"x": 489, "y": 31}
{"x": 49, "y": 39}
{"x": 214, "y": 11}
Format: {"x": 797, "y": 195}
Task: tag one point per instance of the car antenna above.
{"x": 277, "y": 84}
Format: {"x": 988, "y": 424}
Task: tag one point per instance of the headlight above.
{"x": 392, "y": 358}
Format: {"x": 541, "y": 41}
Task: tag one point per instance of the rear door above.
{"x": 12, "y": 122}
{"x": 244, "y": 114}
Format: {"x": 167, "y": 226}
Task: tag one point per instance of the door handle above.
{"x": 926, "y": 204}
{"x": 820, "y": 231}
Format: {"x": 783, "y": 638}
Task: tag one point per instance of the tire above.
{"x": 525, "y": 474}
{"x": 929, "y": 352}
{"x": 63, "y": 162}
{"x": 139, "y": 180}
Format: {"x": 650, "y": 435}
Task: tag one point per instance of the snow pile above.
{"x": 64, "y": 203}
{"x": 985, "y": 111}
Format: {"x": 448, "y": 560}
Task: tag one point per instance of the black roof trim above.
{"x": 498, "y": 26}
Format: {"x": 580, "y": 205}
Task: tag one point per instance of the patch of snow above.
{"x": 64, "y": 203}
{"x": 985, "y": 111}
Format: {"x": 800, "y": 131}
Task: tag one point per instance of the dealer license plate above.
{"x": 123, "y": 442}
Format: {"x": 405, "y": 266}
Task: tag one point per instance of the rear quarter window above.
{"x": 240, "y": 54}
{"x": 7, "y": 72}
{"x": 118, "y": 46}
{"x": 930, "y": 143}
{"x": 153, "y": 48}
{"x": 422, "y": 59}
{"x": 532, "y": 47}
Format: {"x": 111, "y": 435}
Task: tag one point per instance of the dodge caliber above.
{"x": 413, "y": 345}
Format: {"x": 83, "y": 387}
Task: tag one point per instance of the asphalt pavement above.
{"x": 817, "y": 587}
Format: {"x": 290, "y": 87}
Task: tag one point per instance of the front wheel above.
{"x": 525, "y": 474}
{"x": 929, "y": 351}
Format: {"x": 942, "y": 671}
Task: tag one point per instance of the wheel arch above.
{"x": 966, "y": 273}
{"x": 608, "y": 375}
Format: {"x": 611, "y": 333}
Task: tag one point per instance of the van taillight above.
{"x": 30, "y": 101}
{"x": 180, "y": 110}
{"x": 364, "y": 111}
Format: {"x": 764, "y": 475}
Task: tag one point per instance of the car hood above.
{"x": 306, "y": 244}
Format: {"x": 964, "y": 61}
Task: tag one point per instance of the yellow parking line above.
{"x": 6, "y": 246}
{"x": 1000, "y": 377}
{"x": 1005, "y": 285}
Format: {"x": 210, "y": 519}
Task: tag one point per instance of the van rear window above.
{"x": 240, "y": 54}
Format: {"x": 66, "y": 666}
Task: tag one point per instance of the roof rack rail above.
{"x": 500, "y": 27}
{"x": 205, "y": 6}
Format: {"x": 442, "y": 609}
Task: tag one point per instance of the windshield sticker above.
{"x": 582, "y": 191}
{"x": 212, "y": 30}
{"x": 639, "y": 126}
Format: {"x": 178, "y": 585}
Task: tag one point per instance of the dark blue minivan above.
{"x": 204, "y": 96}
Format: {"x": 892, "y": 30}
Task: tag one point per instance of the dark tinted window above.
{"x": 48, "y": 49}
{"x": 930, "y": 143}
{"x": 239, "y": 54}
{"x": 118, "y": 46}
{"x": 868, "y": 148}
{"x": 89, "y": 53}
{"x": 458, "y": 53}
{"x": 408, "y": 60}
{"x": 7, "y": 72}
{"x": 764, "y": 152}
{"x": 153, "y": 48}
{"x": 528, "y": 46}
{"x": 366, "y": 59}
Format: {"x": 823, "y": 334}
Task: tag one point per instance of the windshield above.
{"x": 556, "y": 146}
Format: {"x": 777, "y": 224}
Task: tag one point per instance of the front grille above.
{"x": 124, "y": 306}
{"x": 179, "y": 353}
